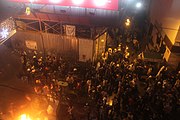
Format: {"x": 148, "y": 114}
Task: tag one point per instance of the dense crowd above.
{"x": 135, "y": 90}
{"x": 119, "y": 88}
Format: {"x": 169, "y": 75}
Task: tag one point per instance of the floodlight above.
{"x": 138, "y": 4}
{"x": 55, "y": 1}
{"x": 4, "y": 33}
{"x": 100, "y": 2}
{"x": 77, "y": 2}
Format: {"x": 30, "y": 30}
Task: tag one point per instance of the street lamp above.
{"x": 138, "y": 5}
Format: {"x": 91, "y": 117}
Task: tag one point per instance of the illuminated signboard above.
{"x": 7, "y": 29}
{"x": 100, "y": 4}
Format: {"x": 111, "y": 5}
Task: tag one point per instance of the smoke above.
{"x": 12, "y": 91}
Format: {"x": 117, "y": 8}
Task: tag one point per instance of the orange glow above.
{"x": 28, "y": 11}
{"x": 102, "y": 40}
{"x": 110, "y": 102}
{"x": 24, "y": 117}
{"x": 128, "y": 22}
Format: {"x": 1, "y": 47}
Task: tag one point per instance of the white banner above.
{"x": 70, "y": 30}
{"x": 85, "y": 49}
{"x": 31, "y": 44}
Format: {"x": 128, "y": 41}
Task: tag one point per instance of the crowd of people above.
{"x": 44, "y": 73}
{"x": 135, "y": 90}
{"x": 118, "y": 88}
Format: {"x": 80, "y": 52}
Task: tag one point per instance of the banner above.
{"x": 31, "y": 44}
{"x": 70, "y": 30}
{"x": 97, "y": 4}
{"x": 85, "y": 49}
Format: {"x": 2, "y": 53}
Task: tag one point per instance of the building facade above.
{"x": 165, "y": 20}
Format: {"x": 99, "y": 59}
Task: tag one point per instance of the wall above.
{"x": 166, "y": 12}
{"x": 174, "y": 59}
{"x": 85, "y": 49}
{"x": 167, "y": 54}
{"x": 46, "y": 42}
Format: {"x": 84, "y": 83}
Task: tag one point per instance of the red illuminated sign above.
{"x": 100, "y": 4}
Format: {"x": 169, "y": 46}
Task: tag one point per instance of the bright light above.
{"x": 4, "y": 33}
{"x": 77, "y": 2}
{"x": 128, "y": 22}
{"x": 100, "y": 2}
{"x": 127, "y": 48}
{"x": 24, "y": 117}
{"x": 55, "y": 1}
{"x": 31, "y": 1}
{"x": 110, "y": 102}
{"x": 28, "y": 10}
{"x": 139, "y": 5}
{"x": 102, "y": 40}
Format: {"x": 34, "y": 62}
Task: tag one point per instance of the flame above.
{"x": 24, "y": 117}
{"x": 110, "y": 102}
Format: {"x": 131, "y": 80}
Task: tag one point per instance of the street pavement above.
{"x": 13, "y": 92}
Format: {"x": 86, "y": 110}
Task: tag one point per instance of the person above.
{"x": 70, "y": 80}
